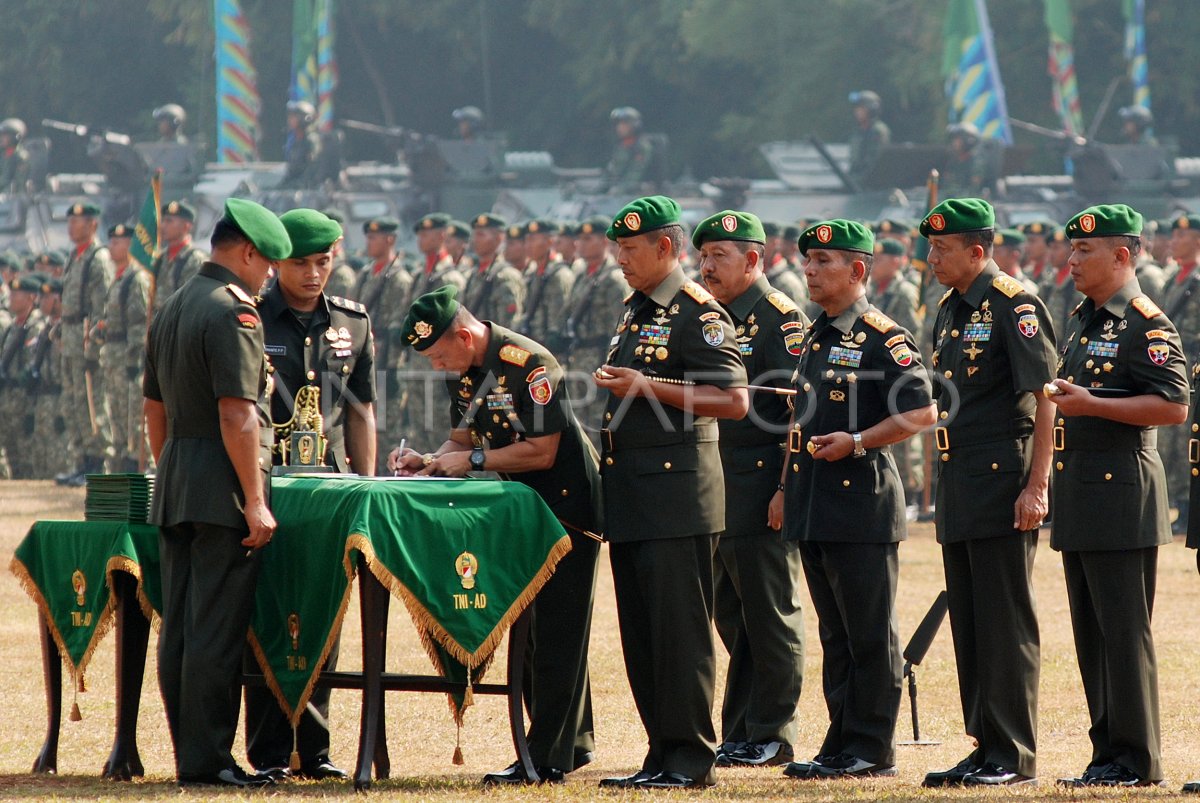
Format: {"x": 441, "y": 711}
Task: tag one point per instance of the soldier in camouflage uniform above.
{"x": 17, "y": 429}
{"x": 435, "y": 267}
{"x": 86, "y": 280}
{"x": 44, "y": 384}
{"x": 180, "y": 259}
{"x": 626, "y": 171}
{"x": 1057, "y": 287}
{"x": 564, "y": 242}
{"x": 548, "y": 282}
{"x": 780, "y": 273}
{"x": 458, "y": 237}
{"x": 495, "y": 290}
{"x": 1181, "y": 304}
{"x": 122, "y": 331}
{"x": 344, "y": 279}
{"x": 869, "y": 136}
{"x": 14, "y": 159}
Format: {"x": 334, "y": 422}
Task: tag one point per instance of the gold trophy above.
{"x": 299, "y": 441}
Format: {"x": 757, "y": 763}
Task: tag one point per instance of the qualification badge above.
{"x": 467, "y": 567}
{"x": 79, "y": 583}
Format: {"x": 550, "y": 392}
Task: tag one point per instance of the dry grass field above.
{"x": 421, "y": 733}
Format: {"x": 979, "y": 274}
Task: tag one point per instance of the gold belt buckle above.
{"x": 1059, "y": 439}
{"x": 606, "y": 437}
{"x": 1194, "y": 451}
{"x": 795, "y": 438}
{"x": 941, "y": 437}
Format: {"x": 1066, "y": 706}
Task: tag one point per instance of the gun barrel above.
{"x": 70, "y": 128}
{"x": 922, "y": 639}
{"x": 1052, "y": 133}
{"x": 394, "y": 132}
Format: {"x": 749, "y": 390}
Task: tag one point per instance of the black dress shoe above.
{"x": 1119, "y": 775}
{"x": 234, "y": 777}
{"x": 1191, "y": 788}
{"x": 849, "y": 766}
{"x": 322, "y": 770}
{"x": 276, "y": 774}
{"x": 992, "y": 774}
{"x": 514, "y": 774}
{"x": 626, "y": 781}
{"x": 756, "y": 754}
{"x": 673, "y": 780}
{"x": 952, "y": 777}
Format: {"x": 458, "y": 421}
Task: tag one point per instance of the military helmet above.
{"x": 867, "y": 99}
{"x": 173, "y": 112}
{"x": 626, "y": 114}
{"x": 1139, "y": 115}
{"x": 13, "y": 126}
{"x": 471, "y": 114}
{"x": 303, "y": 108}
{"x": 966, "y": 130}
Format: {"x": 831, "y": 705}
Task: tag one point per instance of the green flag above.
{"x": 145, "y": 239}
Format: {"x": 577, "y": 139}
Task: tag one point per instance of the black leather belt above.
{"x": 1114, "y": 439}
{"x": 976, "y": 435}
{"x": 616, "y": 440}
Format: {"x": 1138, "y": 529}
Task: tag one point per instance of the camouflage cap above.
{"x": 1105, "y": 220}
{"x": 957, "y": 216}
{"x": 1009, "y": 237}
{"x": 120, "y": 230}
{"x": 431, "y": 222}
{"x": 891, "y": 246}
{"x": 730, "y": 225}
{"x": 429, "y": 317}
{"x": 179, "y": 209}
{"x": 381, "y": 225}
{"x": 261, "y": 227}
{"x": 84, "y": 209}
{"x": 644, "y": 214}
{"x": 837, "y": 235}
{"x": 311, "y": 232}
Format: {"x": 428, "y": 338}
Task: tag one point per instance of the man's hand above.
{"x": 833, "y": 446}
{"x": 405, "y": 462}
{"x": 775, "y": 511}
{"x": 1072, "y": 400}
{"x": 261, "y": 524}
{"x": 1030, "y": 508}
{"x": 450, "y": 464}
{"x": 621, "y": 382}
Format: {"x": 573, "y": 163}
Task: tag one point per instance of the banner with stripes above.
{"x": 236, "y": 85}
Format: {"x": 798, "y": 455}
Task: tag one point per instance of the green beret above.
{"x": 1038, "y": 228}
{"x": 594, "y": 225}
{"x": 1186, "y": 222}
{"x": 1107, "y": 220}
{"x": 890, "y": 225}
{"x": 53, "y": 258}
{"x": 456, "y": 228}
{"x": 489, "y": 221}
{"x": 335, "y": 215}
{"x": 957, "y": 216}
{"x": 382, "y": 225}
{"x": 84, "y": 209}
{"x": 890, "y": 245}
{"x": 1009, "y": 237}
{"x": 311, "y": 232}
{"x": 53, "y": 284}
{"x": 515, "y": 232}
{"x": 730, "y": 225}
{"x": 429, "y": 317}
{"x": 541, "y": 226}
{"x": 432, "y": 221}
{"x": 837, "y": 235}
{"x": 1165, "y": 225}
{"x": 261, "y": 227}
{"x": 181, "y": 209}
{"x": 9, "y": 259}
{"x": 791, "y": 231}
{"x": 772, "y": 229}
{"x": 1059, "y": 235}
{"x": 645, "y": 214}
{"x": 27, "y": 282}
{"x": 120, "y": 230}
{"x": 568, "y": 228}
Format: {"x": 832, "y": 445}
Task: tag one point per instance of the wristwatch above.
{"x": 859, "y": 451}
{"x": 477, "y": 458}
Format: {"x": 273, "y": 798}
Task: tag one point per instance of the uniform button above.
{"x": 807, "y": 387}
{"x": 995, "y": 466}
{"x": 308, "y": 341}
{"x": 1058, "y": 465}
{"x": 1088, "y": 364}
{"x": 760, "y": 464}
{"x": 1095, "y": 370}
{"x": 608, "y": 416}
{"x": 816, "y": 346}
{"x": 667, "y": 465}
{"x": 345, "y": 369}
{"x": 1195, "y": 427}
{"x": 311, "y": 374}
{"x": 608, "y": 461}
{"x": 953, "y": 333}
{"x": 943, "y": 415}
{"x": 949, "y": 374}
{"x": 1108, "y": 476}
{"x": 945, "y": 458}
{"x": 845, "y": 483}
{"x": 795, "y": 468}
{"x": 633, "y": 328}
{"x": 565, "y": 492}
{"x": 1196, "y": 472}
{"x": 1062, "y": 421}
{"x": 1071, "y": 379}
{"x": 505, "y": 425}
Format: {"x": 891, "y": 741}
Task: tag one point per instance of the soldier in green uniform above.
{"x": 435, "y": 267}
{"x": 343, "y": 281}
{"x": 514, "y": 247}
{"x": 1181, "y": 303}
{"x": 1057, "y": 288}
{"x": 86, "y": 280}
{"x": 628, "y": 168}
{"x": 16, "y": 433}
{"x": 313, "y": 339}
{"x": 512, "y": 415}
{"x": 207, "y": 411}
{"x": 565, "y": 237}
{"x": 994, "y": 348}
{"x": 458, "y": 238}
{"x": 967, "y": 170}
{"x": 1122, "y": 374}
{"x": 179, "y": 259}
{"x": 495, "y": 290}
{"x": 42, "y": 381}
{"x": 779, "y": 272}
{"x": 869, "y": 136}
{"x": 860, "y": 387}
{"x": 14, "y": 159}
{"x": 1008, "y": 252}
{"x": 756, "y": 572}
{"x": 673, "y": 368}
{"x": 122, "y": 333}
{"x": 548, "y": 281}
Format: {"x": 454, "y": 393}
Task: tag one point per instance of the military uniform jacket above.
{"x": 205, "y": 344}
{"x": 596, "y": 302}
{"x": 546, "y": 296}
{"x": 86, "y": 280}
{"x": 1181, "y": 303}
{"x": 853, "y": 500}
{"x": 16, "y": 352}
{"x": 44, "y": 351}
{"x": 518, "y": 393}
{"x": 124, "y": 324}
{"x": 1110, "y": 490}
{"x": 386, "y": 296}
{"x": 993, "y": 351}
{"x": 334, "y": 352}
{"x": 662, "y": 466}
{"x": 170, "y": 273}
{"x": 496, "y": 294}
{"x": 770, "y": 331}
{"x": 441, "y": 273}
{"x": 1193, "y": 525}
{"x": 900, "y": 302}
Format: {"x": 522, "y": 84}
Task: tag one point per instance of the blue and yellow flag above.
{"x": 314, "y": 71}
{"x": 1135, "y": 51}
{"x": 972, "y": 75}
{"x": 237, "y": 87}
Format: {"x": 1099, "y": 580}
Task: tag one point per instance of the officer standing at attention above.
{"x": 1181, "y": 303}
{"x": 1121, "y": 375}
{"x": 673, "y": 368}
{"x": 756, "y": 572}
{"x": 512, "y": 414}
{"x": 123, "y": 333}
{"x": 16, "y": 433}
{"x": 548, "y": 281}
{"x": 325, "y": 342}
{"x": 86, "y": 281}
{"x": 207, "y": 411}
{"x": 43, "y": 380}
{"x": 435, "y": 267}
{"x": 343, "y": 281}
{"x": 860, "y": 388}
{"x": 495, "y": 290}
{"x": 994, "y": 347}
{"x": 179, "y": 260}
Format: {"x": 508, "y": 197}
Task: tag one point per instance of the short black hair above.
{"x": 1130, "y": 241}
{"x": 746, "y": 246}
{"x": 226, "y": 233}
{"x": 986, "y": 238}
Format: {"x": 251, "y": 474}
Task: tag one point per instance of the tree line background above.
{"x": 718, "y": 77}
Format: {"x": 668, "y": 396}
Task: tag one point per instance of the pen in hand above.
{"x": 396, "y": 471}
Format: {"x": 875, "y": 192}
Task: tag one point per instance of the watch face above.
{"x": 477, "y": 459}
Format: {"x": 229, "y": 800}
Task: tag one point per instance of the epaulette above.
{"x": 697, "y": 293}
{"x": 1007, "y": 285}
{"x": 945, "y": 295}
{"x": 346, "y": 303}
{"x": 1145, "y": 306}
{"x": 781, "y": 302}
{"x": 514, "y": 355}
{"x": 625, "y": 300}
{"x": 878, "y": 321}
{"x": 240, "y": 294}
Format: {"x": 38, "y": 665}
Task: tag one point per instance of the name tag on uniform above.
{"x": 276, "y": 351}
{"x": 840, "y": 355}
{"x": 1098, "y": 348}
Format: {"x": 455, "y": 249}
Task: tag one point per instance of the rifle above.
{"x": 914, "y": 653}
{"x": 88, "y": 384}
{"x": 76, "y": 129}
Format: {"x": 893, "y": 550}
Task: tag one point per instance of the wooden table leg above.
{"x": 373, "y": 602}
{"x": 518, "y": 638}
{"x": 133, "y": 635}
{"x": 47, "y": 760}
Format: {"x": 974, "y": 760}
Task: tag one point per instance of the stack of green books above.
{"x": 118, "y": 497}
